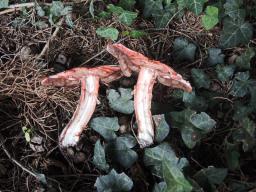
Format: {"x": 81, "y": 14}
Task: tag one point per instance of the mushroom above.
{"x": 89, "y": 78}
{"x": 149, "y": 71}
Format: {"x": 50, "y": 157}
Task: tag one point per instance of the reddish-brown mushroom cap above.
{"x": 149, "y": 70}
{"x": 89, "y": 78}
{"x": 130, "y": 60}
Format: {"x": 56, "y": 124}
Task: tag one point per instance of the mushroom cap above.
{"x": 130, "y": 60}
{"x": 72, "y": 77}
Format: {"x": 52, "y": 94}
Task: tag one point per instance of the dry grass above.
{"x": 24, "y": 102}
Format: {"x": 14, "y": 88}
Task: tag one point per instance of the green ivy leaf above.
{"x": 116, "y": 10}
{"x": 210, "y": 176}
{"x": 105, "y": 126}
{"x": 127, "y": 4}
{"x": 232, "y": 155}
{"x": 211, "y": 17}
{"x": 121, "y": 101}
{"x": 152, "y": 7}
{"x": 113, "y": 182}
{"x": 194, "y": 102}
{"x": 215, "y": 56}
{"x": 162, "y": 18}
{"x": 4, "y": 4}
{"x": 56, "y": 8}
{"x": 200, "y": 78}
{"x": 99, "y": 159}
{"x": 39, "y": 10}
{"x": 233, "y": 10}
{"x": 175, "y": 179}
{"x": 159, "y": 187}
{"x": 183, "y": 50}
{"x": 244, "y": 60}
{"x": 235, "y": 33}
{"x": 192, "y": 125}
{"x": 225, "y": 72}
{"x": 127, "y": 17}
{"x": 137, "y": 34}
{"x": 241, "y": 111}
{"x": 203, "y": 121}
{"x": 108, "y": 33}
{"x": 248, "y": 126}
{"x": 162, "y": 128}
{"x": 241, "y": 84}
{"x": 246, "y": 135}
{"x": 155, "y": 157}
{"x": 196, "y": 6}
{"x": 120, "y": 151}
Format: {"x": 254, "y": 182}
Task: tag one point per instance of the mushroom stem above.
{"x": 87, "y": 103}
{"x": 142, "y": 105}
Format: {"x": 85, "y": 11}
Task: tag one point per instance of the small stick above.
{"x": 15, "y": 161}
{"x": 50, "y": 39}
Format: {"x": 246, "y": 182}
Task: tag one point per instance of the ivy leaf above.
{"x": 247, "y": 137}
{"x": 162, "y": 18}
{"x": 200, "y": 78}
{"x": 127, "y": 17}
{"x": 243, "y": 61}
{"x": 105, "y": 126}
{"x": 196, "y": 6}
{"x": 215, "y": 56}
{"x": 121, "y": 101}
{"x": 155, "y": 157}
{"x": 194, "y": 102}
{"x": 152, "y": 7}
{"x": 120, "y": 151}
{"x": 235, "y": 33}
{"x": 57, "y": 9}
{"x": 99, "y": 159}
{"x": 233, "y": 10}
{"x": 241, "y": 111}
{"x": 211, "y": 17}
{"x": 192, "y": 125}
{"x": 116, "y": 10}
{"x": 39, "y": 10}
{"x": 159, "y": 187}
{"x": 225, "y": 72}
{"x": 175, "y": 179}
{"x": 113, "y": 182}
{"x": 183, "y": 50}
{"x": 241, "y": 84}
{"x": 210, "y": 176}
{"x": 232, "y": 155}
{"x": 108, "y": 33}
{"x": 162, "y": 128}
{"x": 137, "y": 34}
{"x": 4, "y": 4}
{"x": 202, "y": 121}
{"x": 127, "y": 4}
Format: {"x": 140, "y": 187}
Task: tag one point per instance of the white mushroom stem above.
{"x": 87, "y": 103}
{"x": 142, "y": 106}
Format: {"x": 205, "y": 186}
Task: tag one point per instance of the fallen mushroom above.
{"x": 149, "y": 71}
{"x": 89, "y": 78}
